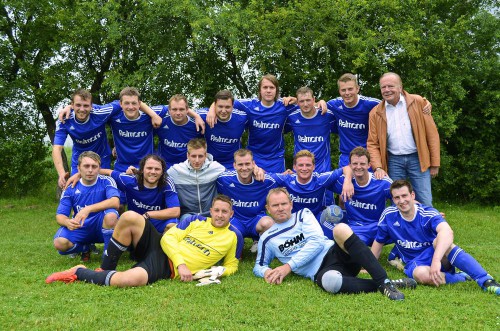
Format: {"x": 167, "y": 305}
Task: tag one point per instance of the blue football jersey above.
{"x": 87, "y": 136}
{"x": 312, "y": 194}
{"x": 225, "y": 137}
{"x": 265, "y": 132}
{"x": 312, "y": 134}
{"x": 352, "y": 122}
{"x": 133, "y": 138}
{"x": 411, "y": 237}
{"x": 80, "y": 196}
{"x": 249, "y": 200}
{"x": 173, "y": 138}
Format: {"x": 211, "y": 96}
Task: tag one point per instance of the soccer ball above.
{"x": 332, "y": 215}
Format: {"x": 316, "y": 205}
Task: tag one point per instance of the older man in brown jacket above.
{"x": 402, "y": 140}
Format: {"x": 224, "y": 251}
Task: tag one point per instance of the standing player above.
{"x": 424, "y": 241}
{"x": 248, "y": 196}
{"x": 190, "y": 247}
{"x": 224, "y": 138}
{"x": 311, "y": 130}
{"x": 94, "y": 201}
{"x": 176, "y": 130}
{"x": 307, "y": 188}
{"x": 266, "y": 121}
{"x": 87, "y": 131}
{"x": 298, "y": 242}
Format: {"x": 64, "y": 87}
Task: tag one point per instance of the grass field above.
{"x": 241, "y": 302}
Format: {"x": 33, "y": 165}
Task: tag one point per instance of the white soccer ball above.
{"x": 332, "y": 215}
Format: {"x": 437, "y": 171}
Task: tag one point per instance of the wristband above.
{"x": 146, "y": 216}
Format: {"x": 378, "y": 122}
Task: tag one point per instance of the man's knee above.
{"x": 62, "y": 244}
{"x": 422, "y": 275}
{"x": 341, "y": 232}
{"x": 110, "y": 220}
{"x": 331, "y": 281}
{"x": 264, "y": 224}
{"x": 129, "y": 219}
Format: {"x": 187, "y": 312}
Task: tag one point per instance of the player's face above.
{"x": 267, "y": 92}
{"x": 130, "y": 106}
{"x": 391, "y": 88}
{"x": 403, "y": 199}
{"x": 221, "y": 212}
{"x": 349, "y": 92}
{"x": 88, "y": 169}
{"x": 178, "y": 111}
{"x": 244, "y": 166}
{"x": 279, "y": 207}
{"x": 152, "y": 172}
{"x": 223, "y": 109}
{"x": 306, "y": 103}
{"x": 197, "y": 157}
{"x": 304, "y": 168}
{"x": 359, "y": 166}
{"x": 82, "y": 108}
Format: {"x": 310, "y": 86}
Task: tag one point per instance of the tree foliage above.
{"x": 445, "y": 50}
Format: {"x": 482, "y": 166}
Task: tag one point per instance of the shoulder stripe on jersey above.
{"x": 240, "y": 241}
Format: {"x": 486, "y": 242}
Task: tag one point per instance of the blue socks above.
{"x": 465, "y": 262}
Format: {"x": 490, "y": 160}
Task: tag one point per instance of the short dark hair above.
{"x": 305, "y": 90}
{"x": 399, "y": 183}
{"x": 82, "y": 93}
{"x": 359, "y": 151}
{"x": 224, "y": 95}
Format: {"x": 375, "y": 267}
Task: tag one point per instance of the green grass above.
{"x": 242, "y": 301}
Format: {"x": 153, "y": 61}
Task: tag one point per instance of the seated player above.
{"x": 424, "y": 241}
{"x": 191, "y": 246}
{"x": 298, "y": 242}
{"x": 248, "y": 196}
{"x": 94, "y": 200}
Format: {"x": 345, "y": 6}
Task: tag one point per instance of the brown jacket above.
{"x": 424, "y": 130}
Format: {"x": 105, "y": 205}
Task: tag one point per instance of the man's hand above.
{"x": 347, "y": 190}
{"x": 184, "y": 273}
{"x": 380, "y": 173}
{"x": 82, "y": 215}
{"x": 289, "y": 101}
{"x": 434, "y": 171}
{"x": 72, "y": 224}
{"x": 61, "y": 181}
{"x": 156, "y": 120}
{"x": 259, "y": 174}
{"x": 65, "y": 113}
{"x": 322, "y": 104}
{"x": 427, "y": 108}
{"x": 435, "y": 273}
{"x": 276, "y": 275}
{"x": 131, "y": 170}
{"x": 200, "y": 124}
{"x": 73, "y": 180}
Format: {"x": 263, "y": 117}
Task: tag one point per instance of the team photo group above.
{"x": 182, "y": 194}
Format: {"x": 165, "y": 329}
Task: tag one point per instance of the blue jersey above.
{"x": 81, "y": 195}
{"x": 87, "y": 136}
{"x": 368, "y": 201}
{"x": 225, "y": 137}
{"x": 133, "y": 138}
{"x": 312, "y": 194}
{"x": 312, "y": 134}
{"x": 265, "y": 132}
{"x": 411, "y": 237}
{"x": 249, "y": 200}
{"x": 299, "y": 242}
{"x": 352, "y": 122}
{"x": 173, "y": 138}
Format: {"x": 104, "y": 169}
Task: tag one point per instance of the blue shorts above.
{"x": 248, "y": 227}
{"x": 160, "y": 225}
{"x": 89, "y": 233}
{"x": 365, "y": 232}
{"x": 424, "y": 259}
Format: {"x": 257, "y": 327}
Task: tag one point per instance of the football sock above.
{"x": 362, "y": 255}
{"x": 106, "y": 235}
{"x": 465, "y": 262}
{"x": 112, "y": 254}
{"x": 357, "y": 285}
{"x": 452, "y": 278}
{"x": 77, "y": 248}
{"x": 95, "y": 277}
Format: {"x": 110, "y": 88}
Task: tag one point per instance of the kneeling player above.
{"x": 424, "y": 240}
{"x": 183, "y": 251}
{"x": 297, "y": 240}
